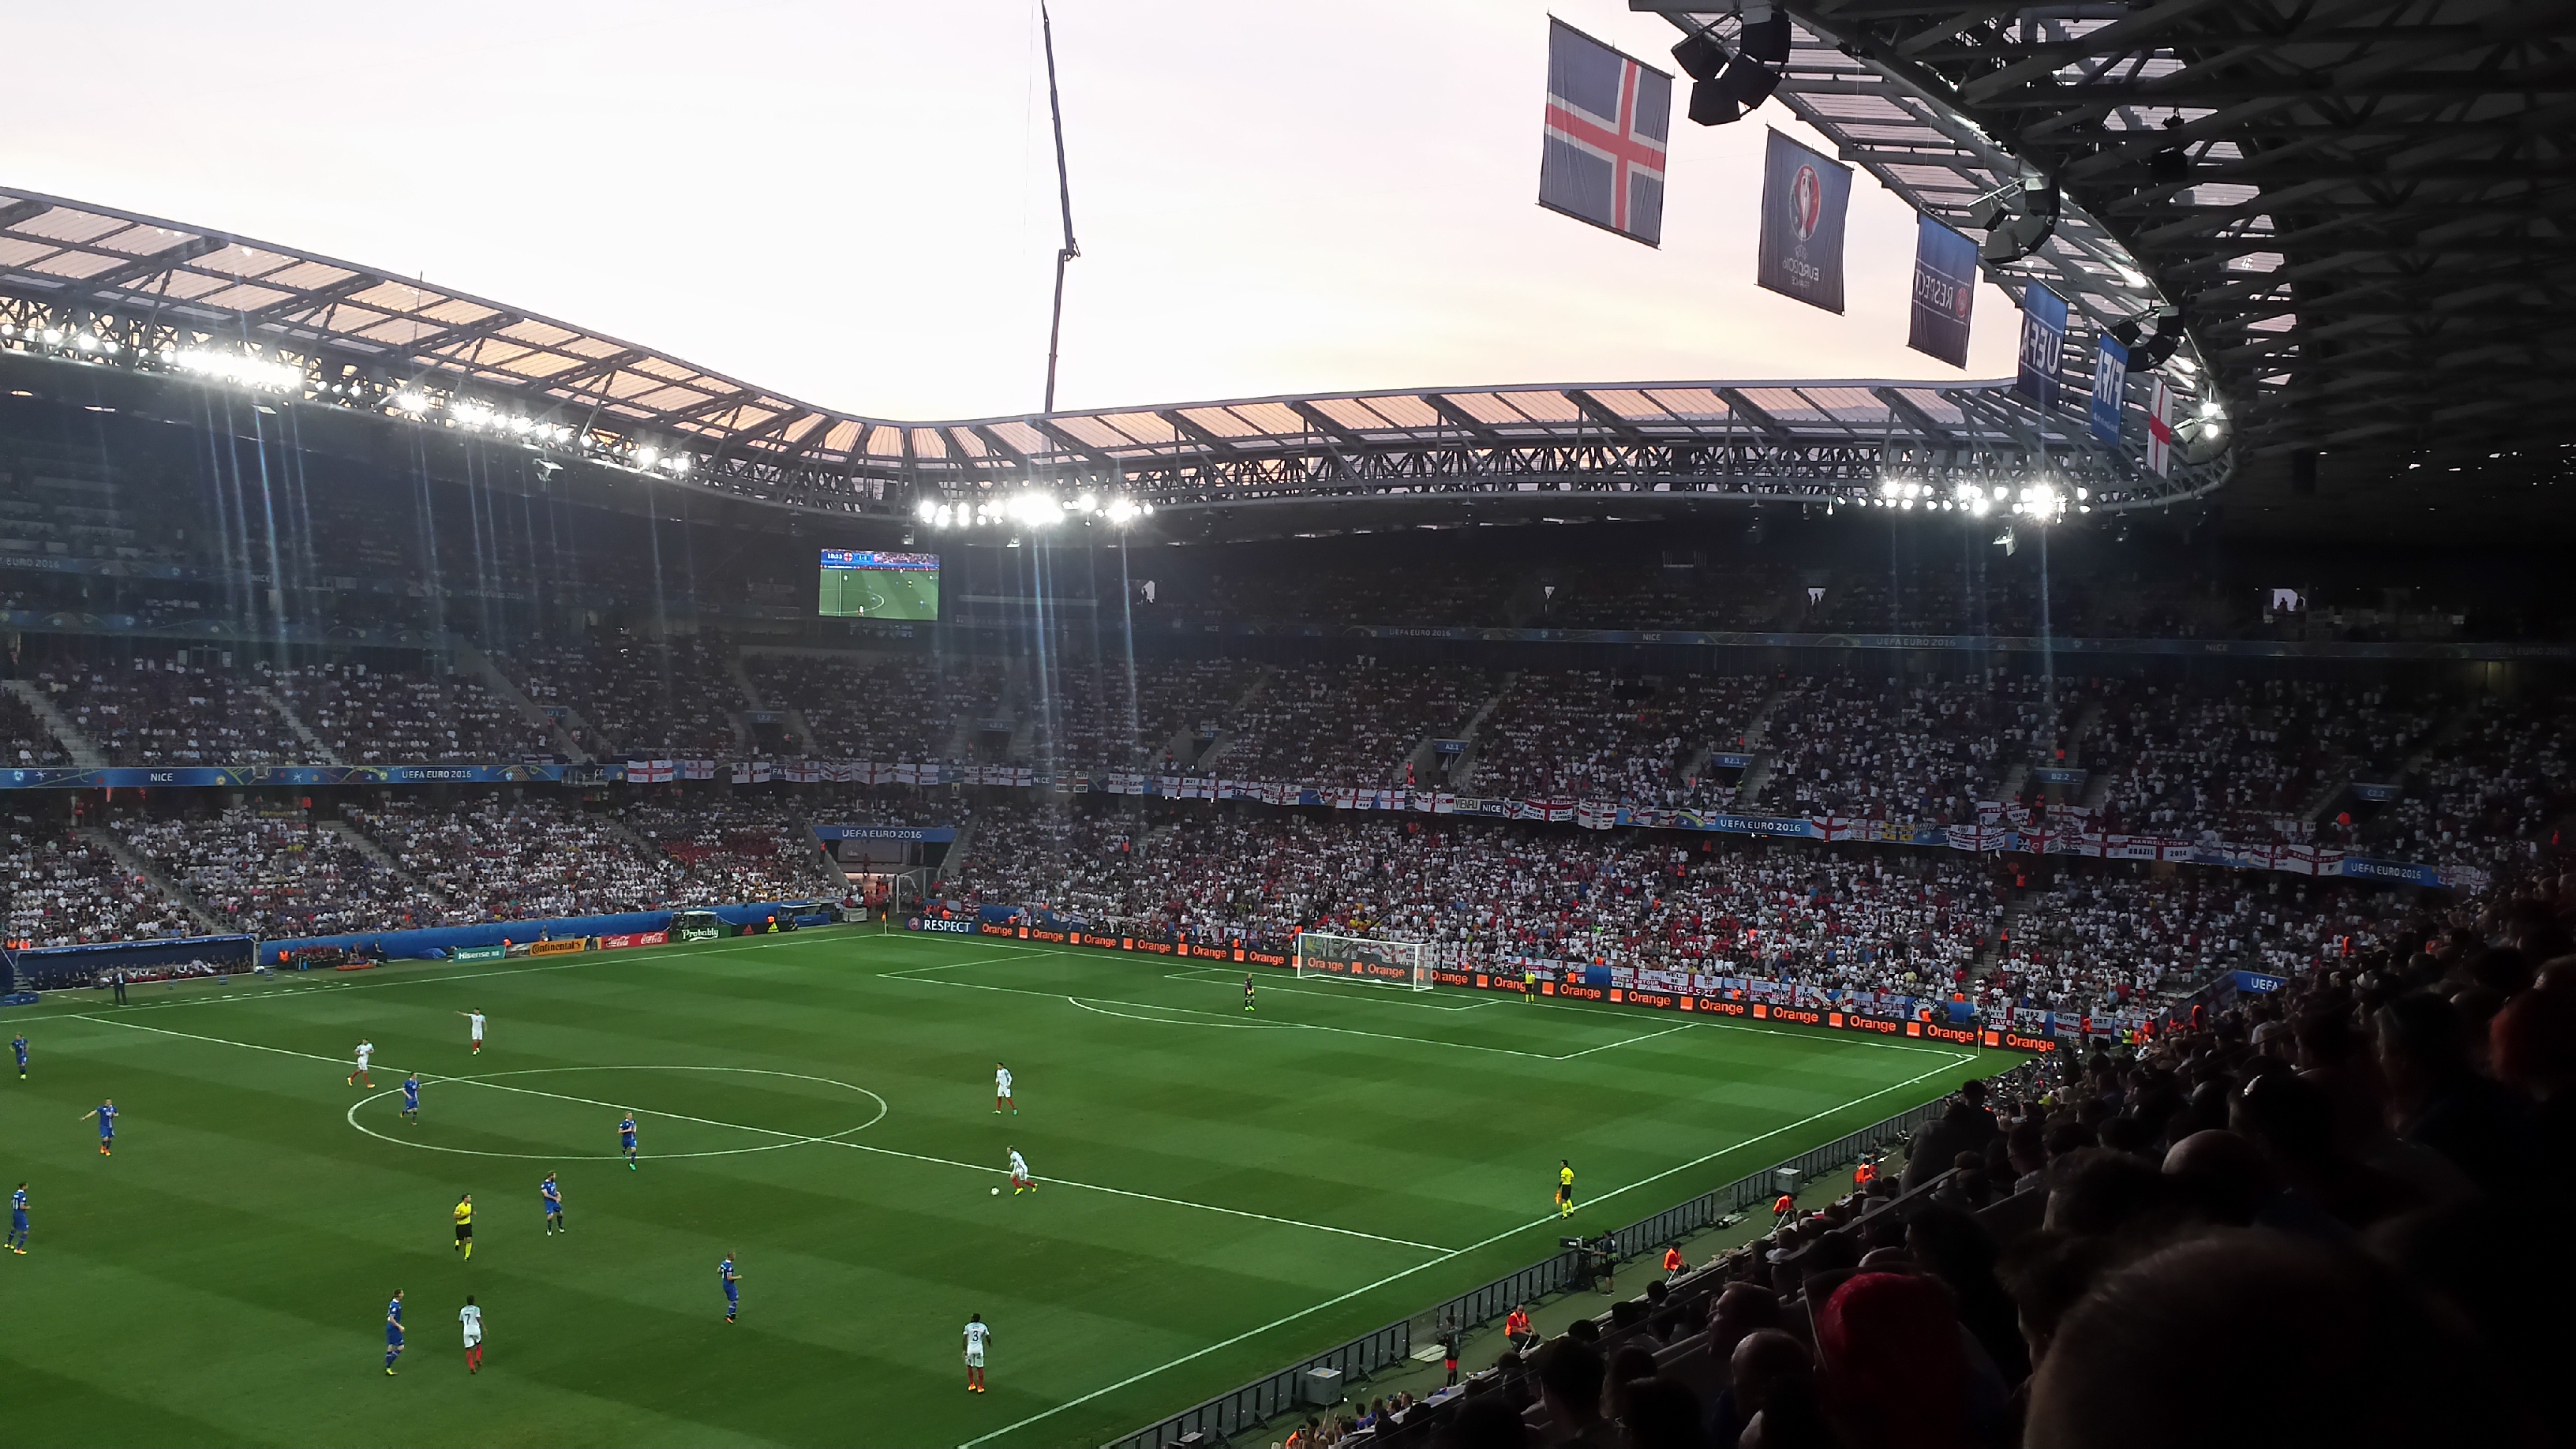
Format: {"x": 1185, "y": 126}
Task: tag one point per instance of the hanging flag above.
{"x": 2160, "y": 433}
{"x": 1803, "y": 198}
{"x": 2043, "y": 340}
{"x": 2110, "y": 388}
{"x": 1607, "y": 117}
{"x": 1945, "y": 287}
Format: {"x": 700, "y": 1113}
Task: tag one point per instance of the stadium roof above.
{"x": 2362, "y": 211}
{"x": 91, "y": 283}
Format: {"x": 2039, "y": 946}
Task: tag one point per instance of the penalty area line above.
{"x": 1447, "y": 1255}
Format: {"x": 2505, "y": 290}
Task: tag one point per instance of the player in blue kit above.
{"x": 553, "y": 1194}
{"x": 626, "y": 1136}
{"x": 411, "y": 1097}
{"x": 393, "y": 1332}
{"x": 732, "y": 1286}
{"x": 18, "y": 1221}
{"x": 105, "y": 1112}
{"x": 18, "y": 1044}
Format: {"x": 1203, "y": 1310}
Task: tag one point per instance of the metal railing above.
{"x": 1266, "y": 1398}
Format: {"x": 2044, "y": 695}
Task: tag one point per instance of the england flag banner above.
{"x": 2043, "y": 341}
{"x": 1945, "y": 288}
{"x": 1607, "y": 118}
{"x": 1804, "y": 196}
{"x": 2110, "y": 388}
{"x": 2160, "y": 433}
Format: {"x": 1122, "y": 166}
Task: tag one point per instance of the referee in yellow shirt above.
{"x": 465, "y": 1225}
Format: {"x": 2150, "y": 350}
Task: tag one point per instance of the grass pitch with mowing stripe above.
{"x": 1221, "y": 1192}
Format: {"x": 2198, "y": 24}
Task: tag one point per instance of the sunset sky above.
{"x": 855, "y": 203}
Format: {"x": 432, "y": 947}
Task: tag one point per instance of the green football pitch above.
{"x": 1221, "y": 1192}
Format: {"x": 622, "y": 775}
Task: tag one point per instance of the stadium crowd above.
{"x": 387, "y": 717}
{"x": 2099, "y": 939}
{"x": 64, "y": 889}
{"x": 277, "y": 877}
{"x": 500, "y": 860}
{"x": 2322, "y": 1216}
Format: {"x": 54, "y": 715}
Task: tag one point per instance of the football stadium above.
{"x": 1973, "y": 856}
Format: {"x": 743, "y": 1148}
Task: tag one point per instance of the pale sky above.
{"x": 854, "y": 202}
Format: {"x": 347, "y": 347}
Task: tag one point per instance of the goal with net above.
{"x": 1402, "y": 964}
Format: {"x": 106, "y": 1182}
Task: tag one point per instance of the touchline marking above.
{"x": 1552, "y": 1003}
{"x": 795, "y": 1138}
{"x": 1446, "y": 1255}
{"x": 285, "y": 989}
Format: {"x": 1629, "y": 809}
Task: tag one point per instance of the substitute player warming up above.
{"x": 977, "y": 1335}
{"x": 1247, "y": 993}
{"x": 1002, "y": 1091}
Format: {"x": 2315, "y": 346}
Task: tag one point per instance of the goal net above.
{"x": 1402, "y": 964}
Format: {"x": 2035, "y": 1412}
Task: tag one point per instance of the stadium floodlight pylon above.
{"x": 1402, "y": 964}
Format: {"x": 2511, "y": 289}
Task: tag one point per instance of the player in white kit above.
{"x": 472, "y": 1318}
{"x": 474, "y": 1024}
{"x": 366, "y": 1050}
{"x": 1002, "y": 1091}
{"x": 977, "y": 1335}
{"x": 1020, "y": 1180}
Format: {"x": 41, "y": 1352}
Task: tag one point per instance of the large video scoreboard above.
{"x": 862, "y": 583}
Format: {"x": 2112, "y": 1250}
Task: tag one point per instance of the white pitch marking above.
{"x": 485, "y": 1080}
{"x": 1629, "y": 1041}
{"x": 1445, "y": 1256}
{"x": 796, "y": 1138}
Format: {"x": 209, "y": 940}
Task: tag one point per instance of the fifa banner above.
{"x": 1804, "y": 196}
{"x": 1945, "y": 288}
{"x": 1608, "y": 115}
{"x": 2110, "y": 388}
{"x": 2043, "y": 342}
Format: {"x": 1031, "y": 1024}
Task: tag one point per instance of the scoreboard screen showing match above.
{"x": 864, "y": 584}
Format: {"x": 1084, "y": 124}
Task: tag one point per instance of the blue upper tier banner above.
{"x": 1945, "y": 289}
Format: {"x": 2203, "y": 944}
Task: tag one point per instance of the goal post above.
{"x": 1402, "y": 964}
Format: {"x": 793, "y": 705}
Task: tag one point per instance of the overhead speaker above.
{"x": 1700, "y": 56}
{"x": 1710, "y": 105}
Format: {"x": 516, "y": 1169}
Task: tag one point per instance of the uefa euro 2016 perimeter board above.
{"x": 1220, "y": 1191}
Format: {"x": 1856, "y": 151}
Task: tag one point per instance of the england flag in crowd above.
{"x": 1607, "y": 118}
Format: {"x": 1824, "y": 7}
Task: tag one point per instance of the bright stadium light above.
{"x": 414, "y": 403}
{"x": 237, "y": 368}
{"x": 1120, "y": 511}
